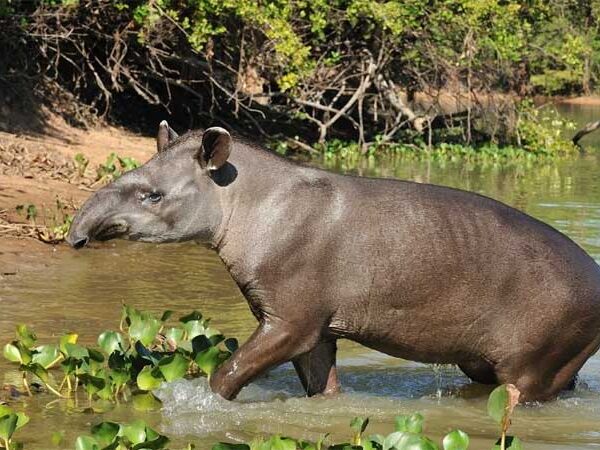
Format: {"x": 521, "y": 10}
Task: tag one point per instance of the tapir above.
{"x": 417, "y": 271}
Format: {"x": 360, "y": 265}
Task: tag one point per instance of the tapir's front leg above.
{"x": 274, "y": 342}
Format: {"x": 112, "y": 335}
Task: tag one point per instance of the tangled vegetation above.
{"x": 127, "y": 365}
{"x": 450, "y": 71}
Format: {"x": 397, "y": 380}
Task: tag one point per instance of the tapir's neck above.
{"x": 253, "y": 208}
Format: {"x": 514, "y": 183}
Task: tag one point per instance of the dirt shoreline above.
{"x": 32, "y": 171}
{"x": 590, "y": 100}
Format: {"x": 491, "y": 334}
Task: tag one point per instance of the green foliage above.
{"x": 112, "y": 435}
{"x": 81, "y": 162}
{"x": 114, "y": 167}
{"x": 10, "y": 422}
{"x": 142, "y": 359}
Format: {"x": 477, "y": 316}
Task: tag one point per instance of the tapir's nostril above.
{"x": 79, "y": 243}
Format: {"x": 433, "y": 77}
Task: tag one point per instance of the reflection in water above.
{"x": 83, "y": 291}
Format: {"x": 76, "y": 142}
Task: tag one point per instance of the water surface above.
{"x": 83, "y": 291}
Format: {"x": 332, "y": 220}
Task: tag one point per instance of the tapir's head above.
{"x": 173, "y": 197}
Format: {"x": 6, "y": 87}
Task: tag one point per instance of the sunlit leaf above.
{"x": 144, "y": 330}
{"x": 45, "y": 355}
{"x": 8, "y": 425}
{"x": 456, "y": 440}
{"x": 12, "y": 353}
{"x": 106, "y": 432}
{"x": 497, "y": 403}
{"x": 86, "y": 443}
{"x": 69, "y": 338}
{"x": 109, "y": 341}
{"x": 149, "y": 378}
{"x": 75, "y": 351}
{"x": 145, "y": 402}
{"x": 26, "y": 336}
{"x": 410, "y": 424}
{"x": 208, "y": 360}
{"x": 135, "y": 432}
{"x": 174, "y": 367}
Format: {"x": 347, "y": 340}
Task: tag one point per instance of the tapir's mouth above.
{"x": 112, "y": 231}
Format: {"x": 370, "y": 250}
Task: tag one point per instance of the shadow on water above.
{"x": 83, "y": 291}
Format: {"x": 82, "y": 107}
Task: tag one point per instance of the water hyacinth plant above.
{"x": 10, "y": 422}
{"x": 147, "y": 351}
{"x": 141, "y": 356}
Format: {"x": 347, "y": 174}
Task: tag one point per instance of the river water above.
{"x": 83, "y": 291}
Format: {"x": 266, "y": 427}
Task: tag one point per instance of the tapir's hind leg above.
{"x": 317, "y": 370}
{"x": 545, "y": 378}
{"x": 479, "y": 371}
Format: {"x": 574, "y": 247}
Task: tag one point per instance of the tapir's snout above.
{"x": 95, "y": 220}
{"x": 77, "y": 242}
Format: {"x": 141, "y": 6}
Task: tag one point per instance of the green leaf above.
{"x": 144, "y": 329}
{"x": 410, "y": 424}
{"x": 200, "y": 343}
{"x": 86, "y": 443}
{"x": 145, "y": 402}
{"x": 106, "y": 432}
{"x": 109, "y": 341}
{"x": 75, "y": 351}
{"x": 95, "y": 355}
{"x": 57, "y": 438}
{"x": 135, "y": 432}
{"x": 194, "y": 315}
{"x": 497, "y": 404}
{"x": 231, "y": 344}
{"x": 174, "y": 367}
{"x": 22, "y": 418}
{"x": 228, "y": 446}
{"x": 512, "y": 442}
{"x": 208, "y": 360}
{"x": 45, "y": 355}
{"x": 12, "y": 353}
{"x": 166, "y": 315}
{"x": 359, "y": 424}
{"x": 194, "y": 328}
{"x": 69, "y": 338}
{"x": 149, "y": 378}
{"x": 8, "y": 425}
{"x": 216, "y": 339}
{"x": 401, "y": 440}
{"x": 91, "y": 383}
{"x": 281, "y": 443}
{"x": 456, "y": 440}
{"x": 38, "y": 371}
{"x": 26, "y": 336}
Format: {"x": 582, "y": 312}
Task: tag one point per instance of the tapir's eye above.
{"x": 154, "y": 197}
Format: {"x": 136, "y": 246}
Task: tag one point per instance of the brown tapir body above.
{"x": 421, "y": 272}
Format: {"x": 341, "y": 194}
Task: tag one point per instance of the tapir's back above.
{"x": 424, "y": 260}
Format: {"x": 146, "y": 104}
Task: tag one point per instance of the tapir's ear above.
{"x": 216, "y": 147}
{"x": 165, "y": 135}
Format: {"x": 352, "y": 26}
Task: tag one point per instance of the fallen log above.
{"x": 590, "y": 127}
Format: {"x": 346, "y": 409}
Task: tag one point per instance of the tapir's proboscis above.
{"x": 417, "y": 271}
